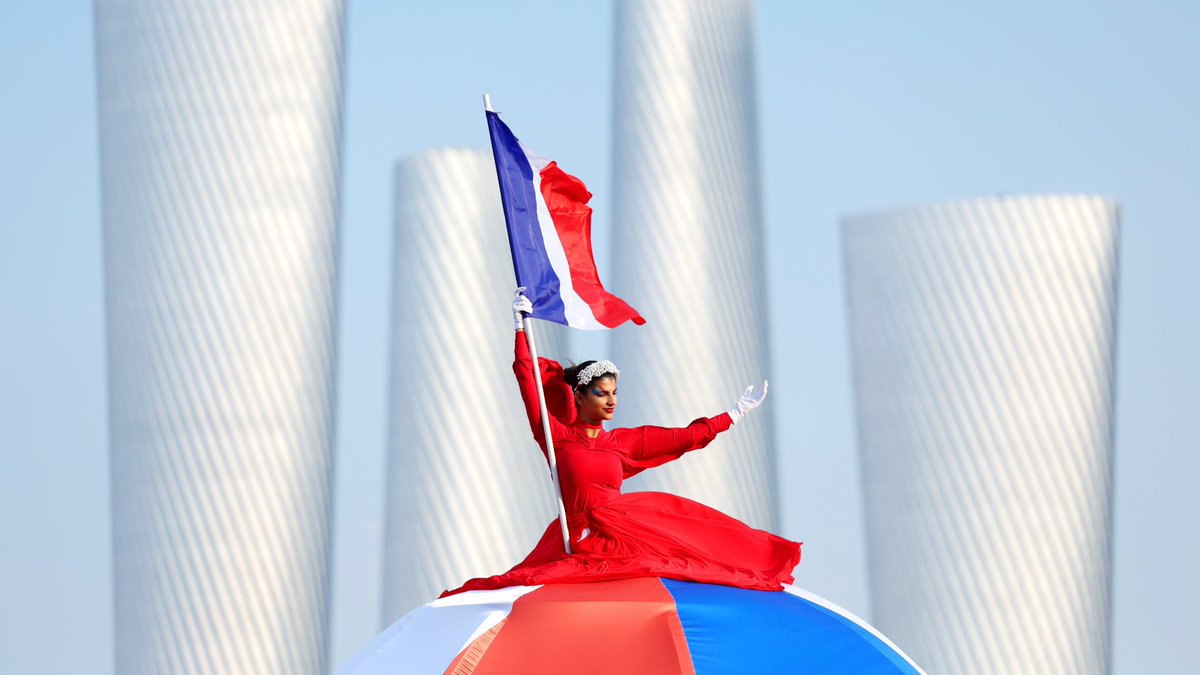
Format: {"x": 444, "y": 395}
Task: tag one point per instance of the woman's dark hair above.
{"x": 571, "y": 375}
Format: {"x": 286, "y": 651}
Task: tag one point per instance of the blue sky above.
{"x": 863, "y": 106}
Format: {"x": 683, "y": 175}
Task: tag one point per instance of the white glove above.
{"x": 521, "y": 306}
{"x": 749, "y": 401}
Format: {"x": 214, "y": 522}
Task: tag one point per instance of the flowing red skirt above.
{"x": 653, "y": 534}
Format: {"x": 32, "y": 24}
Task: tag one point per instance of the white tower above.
{"x": 688, "y": 247}
{"x": 220, "y": 127}
{"x": 468, "y": 492}
{"x": 983, "y": 336}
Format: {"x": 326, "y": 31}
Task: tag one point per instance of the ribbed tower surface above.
{"x": 220, "y": 134}
{"x": 468, "y": 492}
{"x": 983, "y": 336}
{"x": 688, "y": 247}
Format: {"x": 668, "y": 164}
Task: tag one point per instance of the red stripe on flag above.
{"x": 567, "y": 201}
{"x": 627, "y": 626}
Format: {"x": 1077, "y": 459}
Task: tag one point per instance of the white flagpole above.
{"x": 541, "y": 392}
{"x": 537, "y": 375}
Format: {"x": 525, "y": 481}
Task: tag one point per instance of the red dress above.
{"x": 619, "y": 536}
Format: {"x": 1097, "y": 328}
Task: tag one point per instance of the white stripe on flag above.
{"x": 429, "y": 638}
{"x": 579, "y": 314}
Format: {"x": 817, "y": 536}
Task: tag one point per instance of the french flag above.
{"x": 550, "y": 235}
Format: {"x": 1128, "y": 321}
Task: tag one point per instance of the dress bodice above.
{"x": 590, "y": 470}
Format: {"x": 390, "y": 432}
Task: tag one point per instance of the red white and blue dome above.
{"x": 645, "y": 625}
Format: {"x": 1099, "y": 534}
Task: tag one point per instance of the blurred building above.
{"x": 468, "y": 492}
{"x": 688, "y": 241}
{"x": 983, "y": 334}
{"x": 220, "y": 130}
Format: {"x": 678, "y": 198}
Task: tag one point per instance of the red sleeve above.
{"x": 527, "y": 383}
{"x": 653, "y": 446}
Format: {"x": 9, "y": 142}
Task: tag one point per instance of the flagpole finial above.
{"x": 487, "y": 103}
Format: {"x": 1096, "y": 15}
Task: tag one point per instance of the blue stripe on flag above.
{"x": 530, "y": 261}
{"x": 734, "y": 630}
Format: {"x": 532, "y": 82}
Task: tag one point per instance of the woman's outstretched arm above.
{"x": 660, "y": 444}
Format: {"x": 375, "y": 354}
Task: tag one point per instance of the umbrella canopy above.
{"x": 646, "y": 625}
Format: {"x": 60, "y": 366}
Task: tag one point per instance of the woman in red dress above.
{"x": 619, "y": 536}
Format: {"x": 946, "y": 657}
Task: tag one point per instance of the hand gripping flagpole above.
{"x": 541, "y": 393}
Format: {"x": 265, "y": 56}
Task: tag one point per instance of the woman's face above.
{"x": 598, "y": 401}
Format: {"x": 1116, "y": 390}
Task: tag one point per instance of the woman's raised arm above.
{"x": 526, "y": 376}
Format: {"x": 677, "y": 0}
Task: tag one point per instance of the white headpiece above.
{"x": 594, "y": 370}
